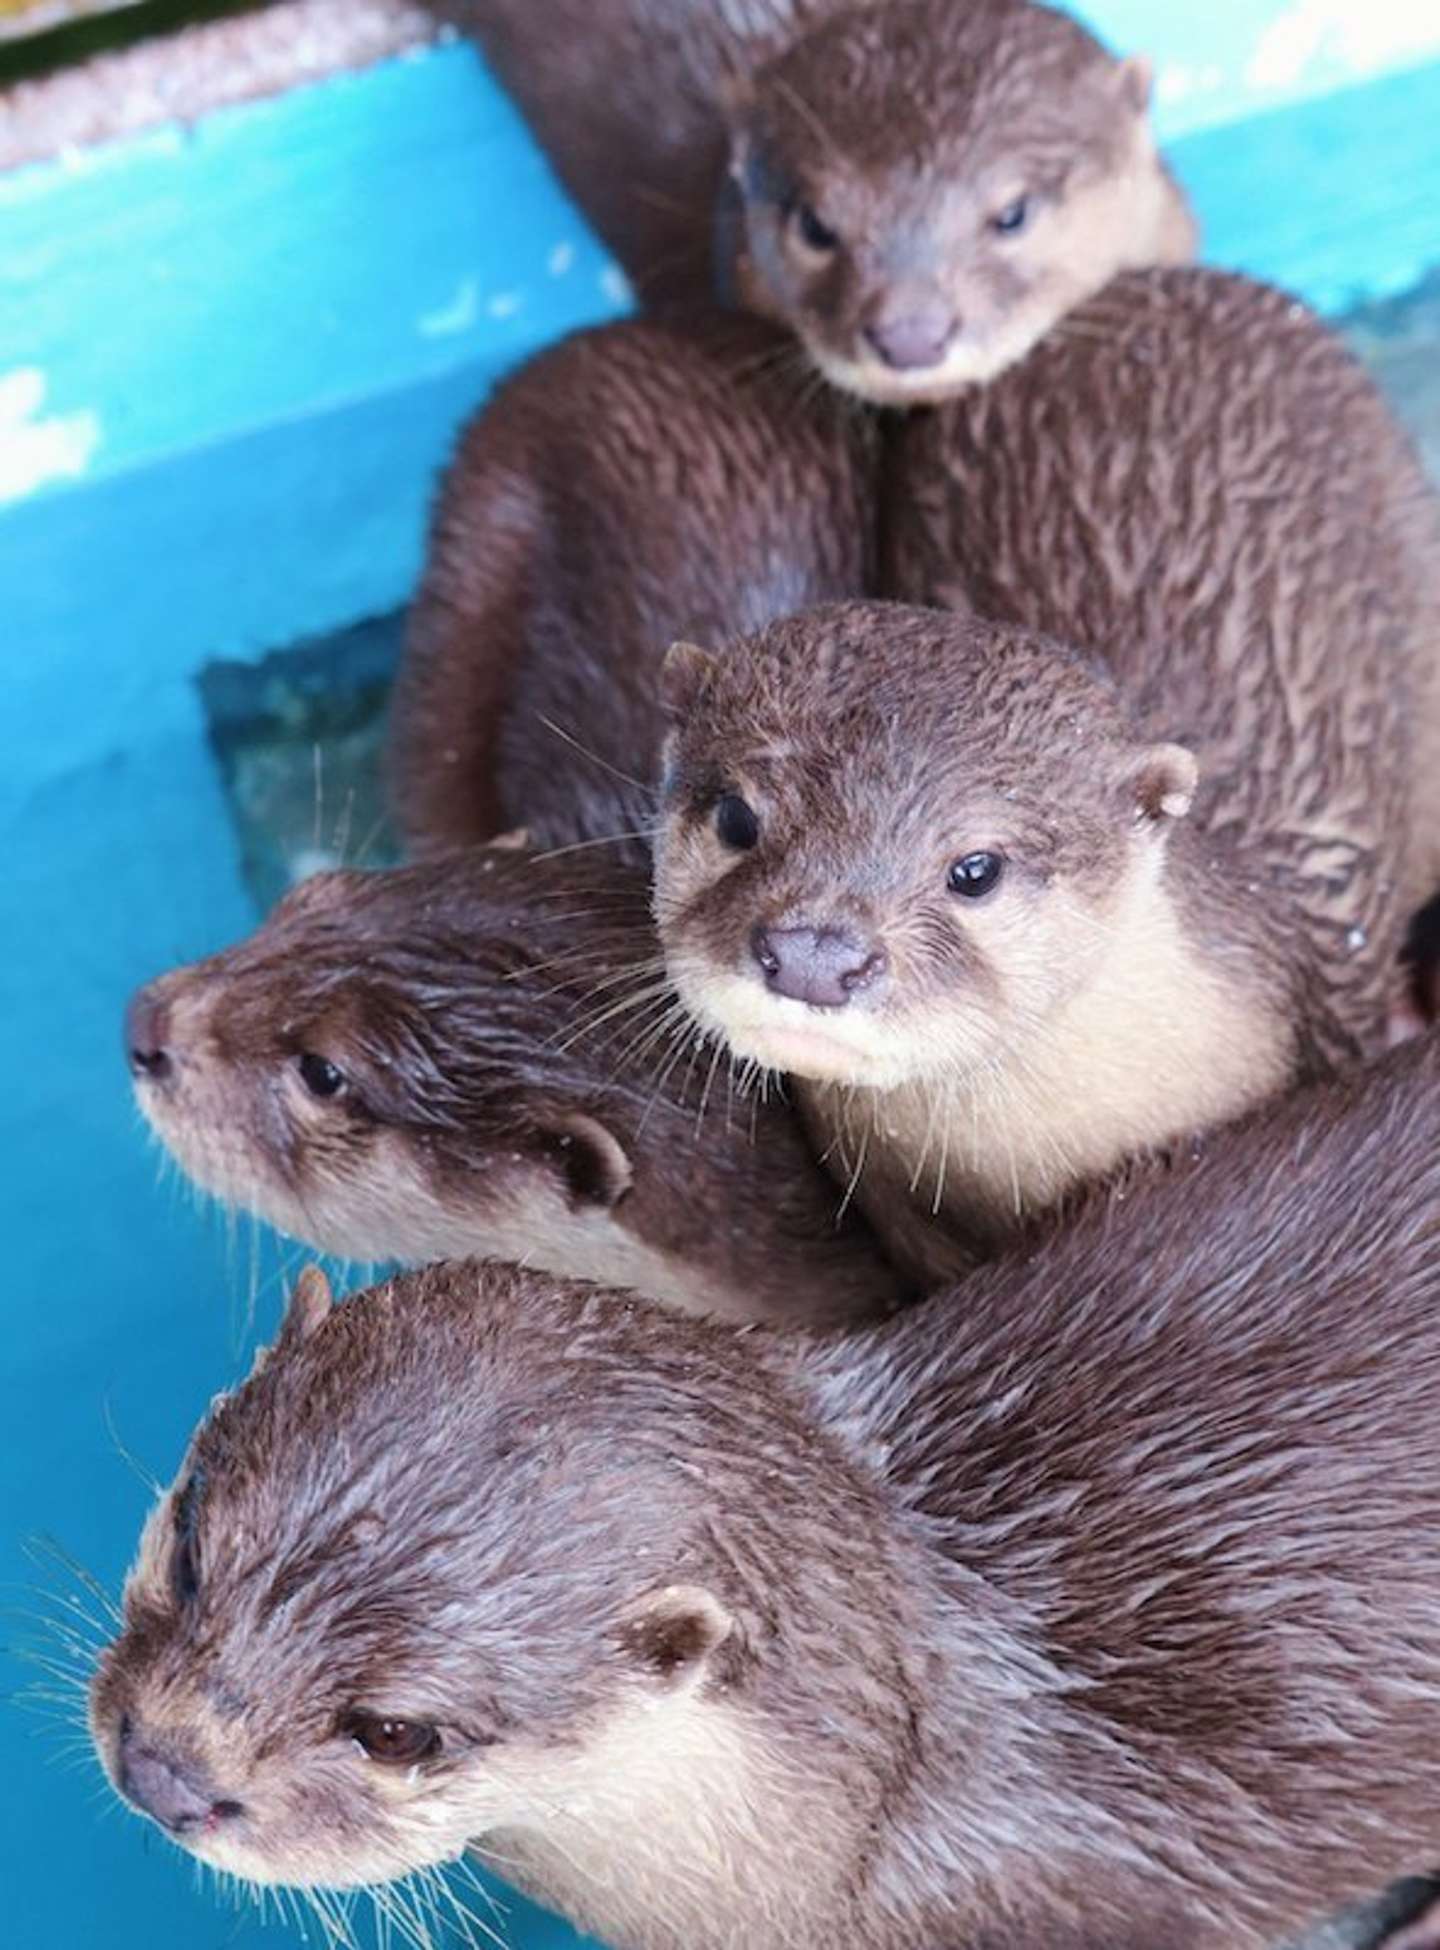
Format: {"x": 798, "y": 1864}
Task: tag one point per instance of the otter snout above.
{"x": 822, "y": 966}
{"x": 147, "y": 1025}
{"x": 911, "y": 340}
{"x": 173, "y": 1791}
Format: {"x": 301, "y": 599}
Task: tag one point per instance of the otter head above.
{"x": 897, "y": 841}
{"x": 457, "y": 1563}
{"x": 385, "y": 1071}
{"x": 928, "y": 186}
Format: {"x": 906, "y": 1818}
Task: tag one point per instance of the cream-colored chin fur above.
{"x": 1125, "y": 221}
{"x": 837, "y": 1045}
{"x": 674, "y": 1826}
{"x": 668, "y": 1824}
{"x": 388, "y": 1210}
{"x": 1154, "y": 1044}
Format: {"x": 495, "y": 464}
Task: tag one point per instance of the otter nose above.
{"x": 823, "y": 966}
{"x": 146, "y": 1024}
{"x": 913, "y": 340}
{"x": 167, "y": 1789}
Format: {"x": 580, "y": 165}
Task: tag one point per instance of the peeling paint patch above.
{"x": 457, "y": 316}
{"x": 616, "y": 286}
{"x": 1318, "y": 41}
{"x": 35, "y": 450}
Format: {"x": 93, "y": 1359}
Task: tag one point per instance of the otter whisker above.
{"x": 585, "y": 751}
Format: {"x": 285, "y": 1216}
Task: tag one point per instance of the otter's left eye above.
{"x": 976, "y": 874}
{"x": 1013, "y": 218}
{"x": 399, "y": 1742}
{"x": 319, "y": 1076}
{"x": 737, "y": 824}
{"x": 815, "y": 234}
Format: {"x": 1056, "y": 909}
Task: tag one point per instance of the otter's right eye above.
{"x": 320, "y": 1076}
{"x": 814, "y": 234}
{"x": 736, "y": 823}
{"x": 399, "y": 1742}
{"x": 1010, "y": 221}
{"x": 976, "y": 874}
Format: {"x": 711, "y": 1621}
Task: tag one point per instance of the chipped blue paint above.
{"x": 231, "y": 359}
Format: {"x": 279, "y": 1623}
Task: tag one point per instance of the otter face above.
{"x": 409, "y": 1591}
{"x": 921, "y": 207}
{"x": 365, "y": 1072}
{"x": 897, "y": 841}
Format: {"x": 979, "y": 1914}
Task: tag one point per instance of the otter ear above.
{"x": 672, "y": 1634}
{"x": 310, "y": 1302}
{"x": 686, "y": 671}
{"x": 1135, "y": 82}
{"x": 596, "y": 1164}
{"x": 1162, "y": 783}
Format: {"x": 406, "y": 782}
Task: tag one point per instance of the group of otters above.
{"x": 994, "y": 687}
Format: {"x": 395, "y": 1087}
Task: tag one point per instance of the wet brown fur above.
{"x": 518, "y": 1081}
{"x": 907, "y": 129}
{"x": 688, "y": 132}
{"x": 629, "y": 486}
{"x": 1092, "y": 1604}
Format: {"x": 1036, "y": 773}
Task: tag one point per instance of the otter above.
{"x": 474, "y": 1055}
{"x": 929, "y": 186}
{"x": 917, "y": 189}
{"x": 1092, "y": 1604}
{"x": 635, "y": 483}
{"x": 1194, "y": 481}
{"x": 941, "y": 872}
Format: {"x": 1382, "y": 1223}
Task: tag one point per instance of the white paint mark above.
{"x": 1178, "y": 83}
{"x": 1355, "y": 938}
{"x": 456, "y": 316}
{"x": 560, "y": 260}
{"x": 34, "y": 450}
{"x": 1315, "y": 40}
{"x": 616, "y": 286}
{"x": 504, "y": 304}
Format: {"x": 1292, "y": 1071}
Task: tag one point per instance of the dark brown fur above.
{"x": 625, "y": 97}
{"x": 907, "y": 131}
{"x": 632, "y": 485}
{"x": 516, "y": 1081}
{"x": 906, "y": 126}
{"x": 1093, "y": 1604}
{"x": 1195, "y": 478}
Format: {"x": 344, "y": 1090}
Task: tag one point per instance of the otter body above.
{"x": 628, "y": 486}
{"x": 1093, "y": 1604}
{"x": 1199, "y": 488}
{"x": 475, "y": 1056}
{"x": 918, "y": 189}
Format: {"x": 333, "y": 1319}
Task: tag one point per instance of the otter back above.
{"x": 633, "y": 485}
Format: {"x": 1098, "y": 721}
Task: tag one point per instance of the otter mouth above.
{"x": 967, "y": 362}
{"x": 801, "y": 1039}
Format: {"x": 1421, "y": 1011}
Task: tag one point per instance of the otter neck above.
{"x": 1161, "y": 1021}
{"x": 652, "y": 1864}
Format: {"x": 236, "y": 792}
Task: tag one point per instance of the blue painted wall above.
{"x": 230, "y": 360}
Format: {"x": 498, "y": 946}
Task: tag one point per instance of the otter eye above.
{"x": 400, "y": 1742}
{"x": 975, "y": 874}
{"x": 736, "y": 824}
{"x": 1012, "y": 218}
{"x": 815, "y": 234}
{"x": 319, "y": 1076}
